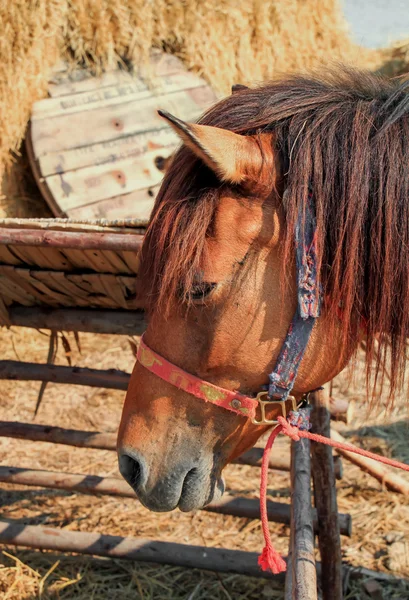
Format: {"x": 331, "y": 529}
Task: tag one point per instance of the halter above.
{"x": 293, "y": 421}
{"x": 282, "y": 378}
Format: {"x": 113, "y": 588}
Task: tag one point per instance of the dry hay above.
{"x": 30, "y": 45}
{"x": 395, "y": 59}
{"x": 225, "y": 41}
{"x": 380, "y": 518}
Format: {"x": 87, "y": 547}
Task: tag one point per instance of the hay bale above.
{"x": 224, "y": 41}
{"x": 395, "y": 59}
{"x": 19, "y": 194}
{"x": 29, "y": 47}
{"x": 30, "y": 44}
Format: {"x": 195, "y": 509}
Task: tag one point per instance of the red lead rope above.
{"x": 270, "y": 559}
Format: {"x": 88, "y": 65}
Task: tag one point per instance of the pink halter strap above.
{"x": 295, "y": 425}
{"x": 231, "y": 400}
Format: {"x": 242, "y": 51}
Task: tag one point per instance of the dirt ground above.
{"x": 380, "y": 539}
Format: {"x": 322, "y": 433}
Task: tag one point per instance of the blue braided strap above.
{"x": 286, "y": 368}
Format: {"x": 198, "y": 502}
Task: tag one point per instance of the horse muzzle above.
{"x": 186, "y": 486}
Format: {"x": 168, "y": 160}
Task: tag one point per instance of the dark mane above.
{"x": 345, "y": 134}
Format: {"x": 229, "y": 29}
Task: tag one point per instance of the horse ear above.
{"x": 234, "y": 158}
{"x": 238, "y": 87}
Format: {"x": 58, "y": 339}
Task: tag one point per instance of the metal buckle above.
{"x": 267, "y": 403}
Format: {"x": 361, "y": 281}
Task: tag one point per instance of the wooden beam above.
{"x": 70, "y": 239}
{"x": 22, "y": 371}
{"x": 325, "y": 495}
{"x": 342, "y": 409}
{"x": 65, "y": 132}
{"x": 288, "y": 586}
{"x": 58, "y": 435}
{"x": 220, "y": 560}
{"x": 113, "y": 178}
{"x": 382, "y": 473}
{"x": 124, "y": 88}
{"x": 139, "y": 549}
{"x": 137, "y": 204}
{"x": 304, "y": 576}
{"x": 81, "y": 320}
{"x": 280, "y": 461}
{"x": 133, "y": 145}
{"x": 115, "y": 486}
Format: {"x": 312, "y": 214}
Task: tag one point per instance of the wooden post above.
{"x": 325, "y": 495}
{"x": 383, "y": 473}
{"x": 221, "y": 560}
{"x": 24, "y": 371}
{"x": 342, "y": 409}
{"x": 288, "y": 588}
{"x": 248, "y": 508}
{"x": 119, "y": 322}
{"x": 280, "y": 461}
{"x": 131, "y": 242}
{"x": 304, "y": 577}
{"x": 115, "y": 546}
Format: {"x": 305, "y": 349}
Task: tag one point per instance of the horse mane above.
{"x": 345, "y": 136}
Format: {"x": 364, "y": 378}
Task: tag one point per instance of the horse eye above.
{"x": 201, "y": 290}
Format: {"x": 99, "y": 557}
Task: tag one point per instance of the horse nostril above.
{"x": 131, "y": 470}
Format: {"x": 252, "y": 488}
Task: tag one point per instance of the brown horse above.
{"x": 218, "y": 267}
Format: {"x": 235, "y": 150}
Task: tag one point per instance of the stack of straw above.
{"x": 223, "y": 40}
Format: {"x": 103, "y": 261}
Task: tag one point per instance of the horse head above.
{"x": 219, "y": 276}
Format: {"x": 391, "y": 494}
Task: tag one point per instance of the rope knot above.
{"x": 270, "y": 560}
{"x": 289, "y": 429}
{"x": 295, "y": 427}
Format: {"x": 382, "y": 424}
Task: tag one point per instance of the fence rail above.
{"x": 280, "y": 461}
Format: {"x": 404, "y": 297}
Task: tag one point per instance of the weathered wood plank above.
{"x": 115, "y": 178}
{"x": 139, "y": 549}
{"x": 70, "y": 239}
{"x": 61, "y": 66}
{"x": 23, "y": 371}
{"x": 91, "y": 285}
{"x": 11, "y": 292}
{"x": 288, "y": 586}
{"x": 81, "y": 80}
{"x": 25, "y": 255}
{"x": 20, "y": 281}
{"x": 4, "y": 313}
{"x": 77, "y": 258}
{"x": 98, "y": 262}
{"x": 279, "y": 460}
{"x": 43, "y": 292}
{"x": 46, "y": 258}
{"x": 137, "y": 204}
{"x": 111, "y": 322}
{"x": 55, "y": 259}
{"x": 304, "y": 576}
{"x": 108, "y": 290}
{"x": 325, "y": 495}
{"x": 117, "y": 263}
{"x": 383, "y": 473}
{"x": 131, "y": 226}
{"x": 90, "y": 484}
{"x": 133, "y": 145}
{"x": 84, "y": 128}
{"x": 45, "y": 192}
{"x": 60, "y": 282}
{"x": 132, "y": 260}
{"x": 7, "y": 257}
{"x": 130, "y": 89}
